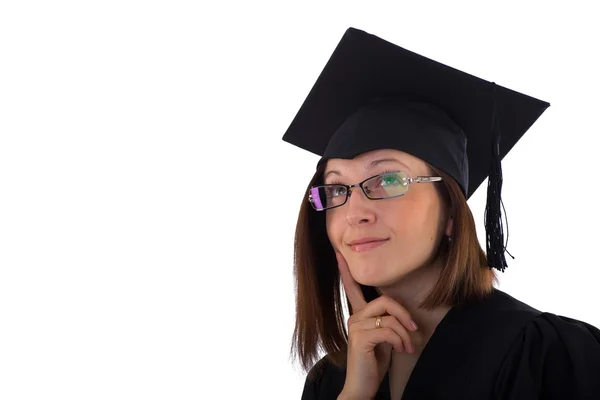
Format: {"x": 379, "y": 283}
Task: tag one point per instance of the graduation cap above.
{"x": 373, "y": 94}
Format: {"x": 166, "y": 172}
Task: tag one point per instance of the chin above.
{"x": 380, "y": 281}
{"x": 374, "y": 272}
{"x": 379, "y": 273}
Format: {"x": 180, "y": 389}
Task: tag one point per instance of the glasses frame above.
{"x": 418, "y": 179}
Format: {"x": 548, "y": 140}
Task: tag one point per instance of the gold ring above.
{"x": 378, "y": 322}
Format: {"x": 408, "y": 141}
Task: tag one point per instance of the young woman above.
{"x": 404, "y": 142}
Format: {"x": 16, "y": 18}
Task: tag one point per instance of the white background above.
{"x": 125, "y": 270}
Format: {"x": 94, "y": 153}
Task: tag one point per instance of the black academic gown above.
{"x": 496, "y": 348}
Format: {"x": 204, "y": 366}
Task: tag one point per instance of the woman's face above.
{"x": 409, "y": 227}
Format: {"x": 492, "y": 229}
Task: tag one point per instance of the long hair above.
{"x": 320, "y": 324}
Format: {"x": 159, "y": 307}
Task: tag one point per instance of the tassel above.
{"x": 494, "y": 229}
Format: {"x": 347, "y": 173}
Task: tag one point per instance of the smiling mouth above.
{"x": 367, "y": 246}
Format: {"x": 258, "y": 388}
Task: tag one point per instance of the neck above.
{"x": 410, "y": 291}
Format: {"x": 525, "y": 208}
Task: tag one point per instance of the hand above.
{"x": 370, "y": 348}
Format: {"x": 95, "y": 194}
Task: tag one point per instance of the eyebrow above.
{"x": 370, "y": 166}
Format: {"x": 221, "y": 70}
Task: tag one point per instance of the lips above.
{"x": 367, "y": 243}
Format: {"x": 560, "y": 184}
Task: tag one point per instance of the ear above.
{"x": 449, "y": 226}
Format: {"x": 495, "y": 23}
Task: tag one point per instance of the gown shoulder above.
{"x": 553, "y": 357}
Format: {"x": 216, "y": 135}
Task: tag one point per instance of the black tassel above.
{"x": 494, "y": 229}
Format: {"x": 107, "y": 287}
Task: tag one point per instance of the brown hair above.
{"x": 320, "y": 321}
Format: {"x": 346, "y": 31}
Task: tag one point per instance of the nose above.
{"x": 358, "y": 208}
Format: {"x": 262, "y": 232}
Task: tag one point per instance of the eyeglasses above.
{"x": 378, "y": 187}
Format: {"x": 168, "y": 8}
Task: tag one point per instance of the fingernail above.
{"x": 414, "y": 325}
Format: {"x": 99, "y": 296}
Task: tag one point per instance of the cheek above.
{"x": 415, "y": 222}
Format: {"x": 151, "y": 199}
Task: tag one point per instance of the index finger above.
{"x": 352, "y": 288}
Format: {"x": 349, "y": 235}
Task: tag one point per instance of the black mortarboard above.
{"x": 373, "y": 95}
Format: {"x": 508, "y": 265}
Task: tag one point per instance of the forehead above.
{"x": 365, "y": 159}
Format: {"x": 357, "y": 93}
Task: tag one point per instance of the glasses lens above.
{"x": 327, "y": 196}
{"x": 386, "y": 185}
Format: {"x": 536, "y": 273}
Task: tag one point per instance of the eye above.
{"x": 335, "y": 189}
{"x": 339, "y": 191}
{"x": 390, "y": 179}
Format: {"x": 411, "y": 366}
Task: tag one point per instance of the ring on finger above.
{"x": 378, "y": 322}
